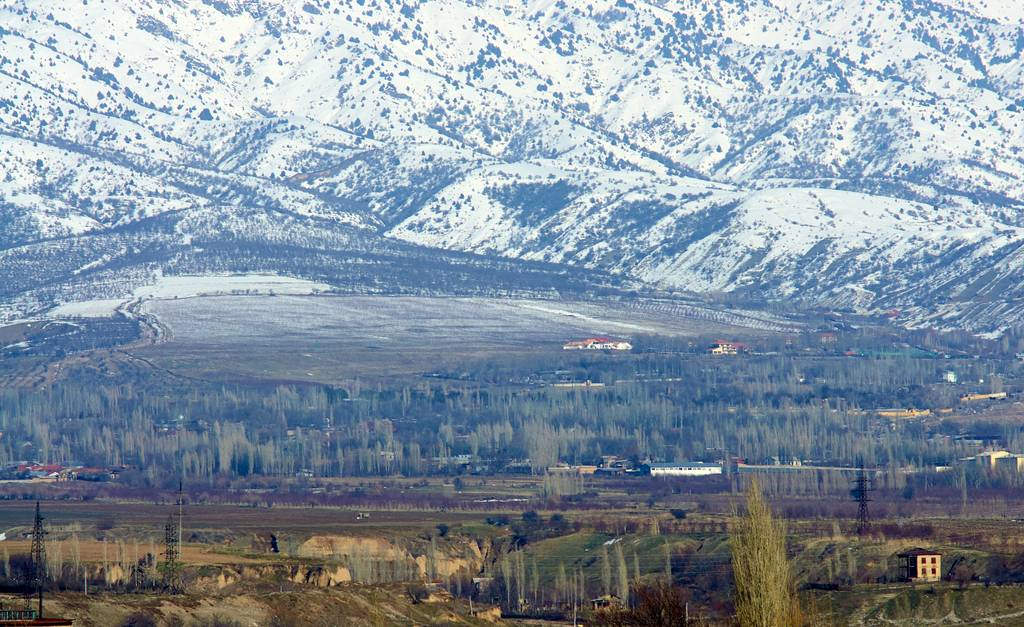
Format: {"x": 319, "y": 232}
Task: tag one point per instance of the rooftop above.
{"x": 915, "y": 552}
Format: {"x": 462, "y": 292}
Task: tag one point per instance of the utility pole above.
{"x": 179, "y": 514}
{"x": 862, "y": 488}
{"x": 38, "y": 557}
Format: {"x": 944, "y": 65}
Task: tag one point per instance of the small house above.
{"x": 1013, "y": 463}
{"x": 605, "y": 601}
{"x": 989, "y": 459}
{"x": 921, "y": 565}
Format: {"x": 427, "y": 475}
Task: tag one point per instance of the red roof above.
{"x": 729, "y": 343}
{"x": 40, "y": 467}
{"x": 589, "y": 340}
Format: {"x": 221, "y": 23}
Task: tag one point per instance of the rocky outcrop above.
{"x": 326, "y": 561}
{"x": 319, "y": 576}
{"x": 419, "y": 560}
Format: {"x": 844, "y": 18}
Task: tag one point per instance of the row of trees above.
{"x": 660, "y": 407}
{"x": 760, "y": 578}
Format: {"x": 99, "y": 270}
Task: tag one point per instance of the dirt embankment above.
{"x": 418, "y": 560}
{"x": 259, "y": 606}
{"x": 320, "y": 561}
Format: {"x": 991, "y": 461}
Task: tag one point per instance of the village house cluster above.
{"x": 598, "y": 344}
{"x": 39, "y": 472}
{"x": 684, "y": 469}
{"x": 993, "y": 460}
{"x": 727, "y": 347}
{"x": 613, "y": 465}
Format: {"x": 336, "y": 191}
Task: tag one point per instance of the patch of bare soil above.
{"x": 315, "y": 607}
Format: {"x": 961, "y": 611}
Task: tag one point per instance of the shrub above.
{"x": 417, "y": 592}
{"x": 139, "y": 619}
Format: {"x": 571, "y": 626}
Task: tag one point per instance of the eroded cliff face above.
{"x": 380, "y": 559}
{"x": 319, "y": 576}
{"x": 324, "y": 561}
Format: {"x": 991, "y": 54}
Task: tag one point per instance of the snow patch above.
{"x": 87, "y": 309}
{"x": 186, "y": 286}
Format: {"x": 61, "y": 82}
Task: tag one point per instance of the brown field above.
{"x": 14, "y": 333}
{"x": 1009, "y": 411}
{"x": 94, "y": 551}
{"x": 120, "y": 518}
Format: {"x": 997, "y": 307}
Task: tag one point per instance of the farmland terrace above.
{"x": 327, "y": 338}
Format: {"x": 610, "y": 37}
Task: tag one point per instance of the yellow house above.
{"x": 989, "y": 458}
{"x": 1013, "y": 463}
{"x": 921, "y": 565}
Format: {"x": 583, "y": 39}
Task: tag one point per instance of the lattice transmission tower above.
{"x": 39, "y": 557}
{"x": 861, "y": 492}
{"x": 172, "y": 565}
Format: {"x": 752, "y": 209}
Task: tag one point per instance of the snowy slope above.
{"x": 844, "y": 153}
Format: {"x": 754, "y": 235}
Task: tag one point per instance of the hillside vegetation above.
{"x": 856, "y": 154}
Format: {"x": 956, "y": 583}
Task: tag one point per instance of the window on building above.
{"x": 933, "y": 571}
{"x": 933, "y": 560}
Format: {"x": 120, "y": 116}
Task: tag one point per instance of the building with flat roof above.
{"x": 989, "y": 459}
{"x": 1013, "y": 463}
{"x": 598, "y": 343}
{"x": 921, "y": 565}
{"x": 684, "y": 469}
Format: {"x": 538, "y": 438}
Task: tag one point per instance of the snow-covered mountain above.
{"x": 847, "y": 153}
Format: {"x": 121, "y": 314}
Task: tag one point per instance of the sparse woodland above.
{"x": 499, "y": 416}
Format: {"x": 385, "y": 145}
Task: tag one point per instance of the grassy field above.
{"x": 326, "y": 338}
{"x": 696, "y": 551}
{"x": 907, "y": 604}
{"x": 118, "y": 519}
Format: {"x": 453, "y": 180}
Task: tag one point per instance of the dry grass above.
{"x": 92, "y": 551}
{"x": 347, "y": 605}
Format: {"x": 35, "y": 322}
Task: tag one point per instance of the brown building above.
{"x": 921, "y": 565}
{"x": 1013, "y": 463}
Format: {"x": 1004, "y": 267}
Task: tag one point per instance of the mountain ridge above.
{"x": 826, "y": 154}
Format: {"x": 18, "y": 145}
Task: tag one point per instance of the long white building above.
{"x": 685, "y": 469}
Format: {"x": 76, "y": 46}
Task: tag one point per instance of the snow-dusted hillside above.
{"x": 851, "y": 153}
